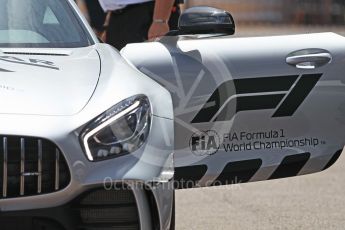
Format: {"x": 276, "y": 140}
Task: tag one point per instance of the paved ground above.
{"x": 265, "y": 30}
{"x": 308, "y": 202}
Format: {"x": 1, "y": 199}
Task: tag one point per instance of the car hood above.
{"x": 47, "y": 81}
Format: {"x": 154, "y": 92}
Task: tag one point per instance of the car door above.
{"x": 250, "y": 109}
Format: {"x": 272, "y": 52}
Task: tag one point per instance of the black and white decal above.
{"x": 286, "y": 93}
{"x": 29, "y": 61}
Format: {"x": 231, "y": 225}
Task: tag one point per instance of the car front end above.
{"x": 86, "y": 139}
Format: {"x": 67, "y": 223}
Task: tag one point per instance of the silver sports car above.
{"x": 93, "y": 138}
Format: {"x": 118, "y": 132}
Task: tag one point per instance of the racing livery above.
{"x": 93, "y": 138}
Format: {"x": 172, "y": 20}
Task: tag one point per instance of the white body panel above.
{"x": 45, "y": 84}
{"x": 251, "y": 82}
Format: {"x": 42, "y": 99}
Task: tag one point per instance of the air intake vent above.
{"x": 110, "y": 210}
{"x": 42, "y": 54}
{"x": 30, "y": 166}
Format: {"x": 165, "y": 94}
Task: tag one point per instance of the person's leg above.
{"x": 96, "y": 13}
{"x": 130, "y": 26}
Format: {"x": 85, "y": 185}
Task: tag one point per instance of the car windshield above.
{"x": 42, "y": 24}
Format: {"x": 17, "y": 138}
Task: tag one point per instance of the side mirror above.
{"x": 206, "y": 20}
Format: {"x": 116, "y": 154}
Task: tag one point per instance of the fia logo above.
{"x": 204, "y": 143}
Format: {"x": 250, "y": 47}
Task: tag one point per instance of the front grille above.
{"x": 97, "y": 209}
{"x": 30, "y": 166}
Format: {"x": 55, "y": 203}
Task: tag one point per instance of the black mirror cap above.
{"x": 206, "y": 20}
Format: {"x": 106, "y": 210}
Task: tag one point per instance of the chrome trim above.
{"x": 57, "y": 169}
{"x": 22, "y": 166}
{"x": 4, "y": 178}
{"x": 39, "y": 178}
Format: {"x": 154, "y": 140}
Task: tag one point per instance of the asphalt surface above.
{"x": 314, "y": 201}
{"x": 272, "y": 30}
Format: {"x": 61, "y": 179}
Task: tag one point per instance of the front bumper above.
{"x": 125, "y": 207}
{"x": 144, "y": 166}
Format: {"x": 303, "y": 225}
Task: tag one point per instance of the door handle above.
{"x": 309, "y": 61}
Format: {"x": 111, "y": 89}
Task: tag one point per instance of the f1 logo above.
{"x": 283, "y": 93}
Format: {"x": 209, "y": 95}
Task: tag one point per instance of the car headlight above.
{"x": 120, "y": 130}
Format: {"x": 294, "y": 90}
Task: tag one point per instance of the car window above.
{"x": 49, "y": 17}
{"x": 41, "y": 23}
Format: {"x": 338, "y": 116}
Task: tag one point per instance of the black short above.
{"x": 96, "y": 13}
{"x": 130, "y": 25}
